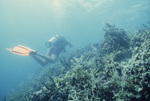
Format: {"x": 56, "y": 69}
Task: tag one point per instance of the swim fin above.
{"x": 20, "y": 50}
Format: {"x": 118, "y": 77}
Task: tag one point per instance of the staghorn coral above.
{"x": 121, "y": 73}
{"x": 115, "y": 39}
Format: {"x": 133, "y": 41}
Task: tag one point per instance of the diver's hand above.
{"x": 33, "y": 53}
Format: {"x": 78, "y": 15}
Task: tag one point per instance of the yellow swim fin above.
{"x": 20, "y": 50}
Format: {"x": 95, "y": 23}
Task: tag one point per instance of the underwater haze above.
{"x": 31, "y": 23}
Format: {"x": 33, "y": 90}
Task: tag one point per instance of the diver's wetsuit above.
{"x": 53, "y": 52}
{"x": 58, "y": 47}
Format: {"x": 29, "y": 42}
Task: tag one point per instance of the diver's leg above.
{"x": 47, "y": 59}
{"x": 40, "y": 61}
{"x": 51, "y": 59}
{"x": 43, "y": 56}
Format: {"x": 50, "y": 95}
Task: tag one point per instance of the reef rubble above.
{"x": 116, "y": 69}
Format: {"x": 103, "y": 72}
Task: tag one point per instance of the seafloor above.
{"x": 115, "y": 69}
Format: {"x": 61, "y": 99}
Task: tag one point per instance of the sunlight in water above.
{"x": 58, "y": 10}
{"x": 57, "y": 4}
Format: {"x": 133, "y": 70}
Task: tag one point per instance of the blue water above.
{"x": 32, "y": 22}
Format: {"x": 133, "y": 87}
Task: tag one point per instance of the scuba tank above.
{"x": 52, "y": 41}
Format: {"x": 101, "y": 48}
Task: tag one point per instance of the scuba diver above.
{"x": 56, "y": 46}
